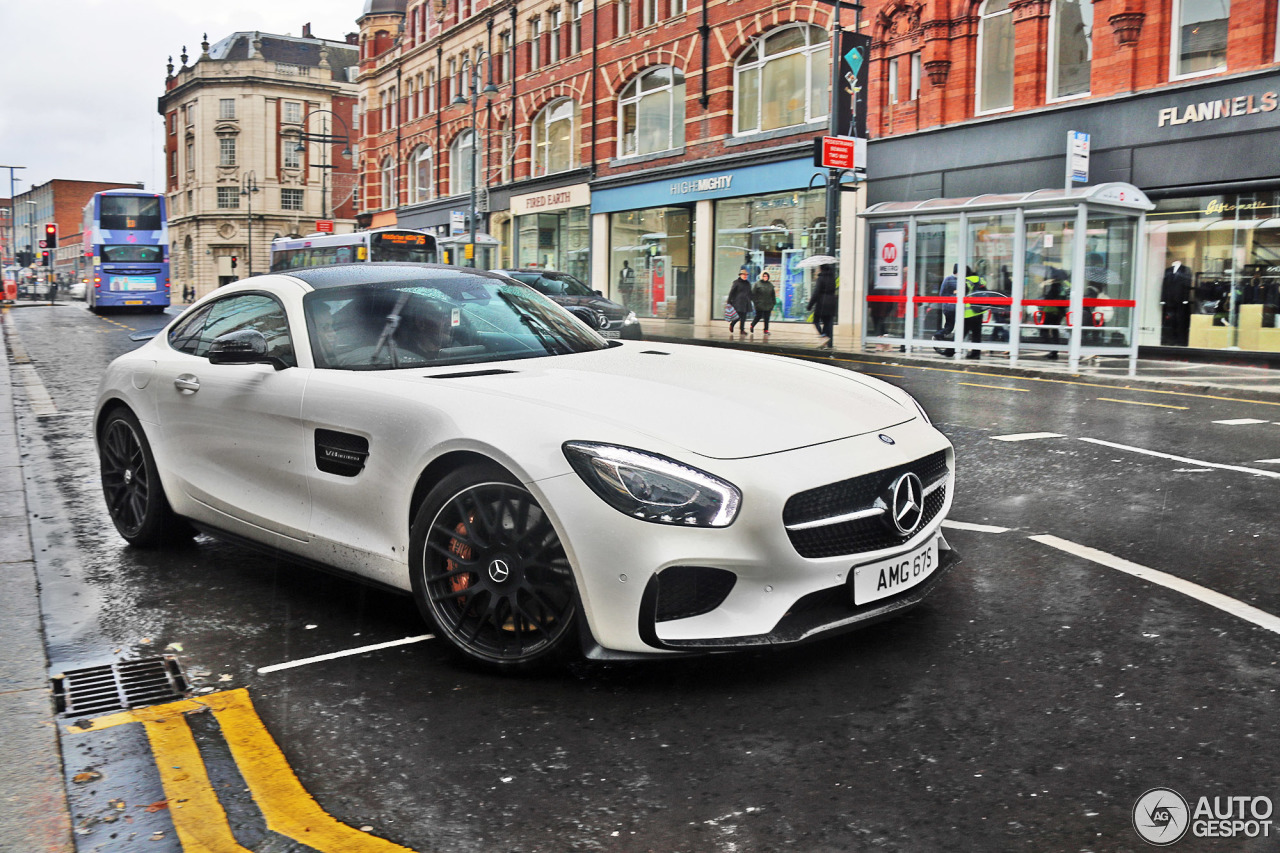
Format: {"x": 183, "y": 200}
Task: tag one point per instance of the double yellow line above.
{"x": 198, "y": 817}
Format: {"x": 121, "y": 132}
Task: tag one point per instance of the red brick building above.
{"x": 1180, "y": 98}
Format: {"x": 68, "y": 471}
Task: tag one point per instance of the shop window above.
{"x": 995, "y": 57}
{"x": 1071, "y": 48}
{"x": 462, "y": 163}
{"x": 651, "y": 113}
{"x": 388, "y": 174}
{"x": 1200, "y": 36}
{"x": 651, "y": 262}
{"x": 420, "y": 175}
{"x": 782, "y": 80}
{"x": 770, "y": 233}
{"x": 554, "y": 138}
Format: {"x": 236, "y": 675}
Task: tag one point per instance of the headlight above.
{"x": 630, "y": 318}
{"x": 654, "y": 488}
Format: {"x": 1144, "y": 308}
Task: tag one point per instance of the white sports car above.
{"x": 538, "y": 489}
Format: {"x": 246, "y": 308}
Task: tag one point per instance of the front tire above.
{"x": 131, "y": 485}
{"x": 489, "y": 571}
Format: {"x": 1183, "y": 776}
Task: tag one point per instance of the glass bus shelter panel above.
{"x": 1109, "y": 302}
{"x": 989, "y": 279}
{"x": 1046, "y": 286}
{"x": 937, "y": 255}
{"x": 888, "y": 259}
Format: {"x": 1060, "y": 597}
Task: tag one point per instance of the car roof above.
{"x": 385, "y": 272}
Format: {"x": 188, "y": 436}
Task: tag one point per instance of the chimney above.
{"x": 353, "y": 38}
{"x": 306, "y": 30}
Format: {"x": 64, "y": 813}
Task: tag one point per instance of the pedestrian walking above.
{"x": 763, "y": 297}
{"x": 739, "y": 301}
{"x": 822, "y": 303}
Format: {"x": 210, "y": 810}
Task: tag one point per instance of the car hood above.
{"x": 714, "y": 403}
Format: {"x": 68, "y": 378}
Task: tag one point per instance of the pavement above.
{"x": 34, "y": 815}
{"x": 1231, "y": 376}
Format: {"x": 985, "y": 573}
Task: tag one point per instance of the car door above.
{"x": 236, "y": 427}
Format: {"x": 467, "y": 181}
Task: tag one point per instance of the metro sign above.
{"x": 889, "y": 253}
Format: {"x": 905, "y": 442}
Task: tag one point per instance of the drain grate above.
{"x": 119, "y": 686}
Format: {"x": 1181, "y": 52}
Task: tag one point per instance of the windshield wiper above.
{"x": 387, "y": 338}
{"x": 540, "y": 330}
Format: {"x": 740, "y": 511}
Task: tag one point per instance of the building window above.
{"x": 191, "y": 155}
{"x": 995, "y": 56}
{"x": 226, "y": 151}
{"x": 504, "y": 61}
{"x": 535, "y": 44}
{"x": 782, "y": 80}
{"x": 420, "y": 175}
{"x": 679, "y": 7}
{"x": 1200, "y": 36}
{"x": 893, "y": 80}
{"x": 554, "y": 138}
{"x": 453, "y": 81}
{"x": 462, "y": 163}
{"x": 292, "y": 156}
{"x": 575, "y": 26}
{"x": 554, "y": 18}
{"x": 291, "y": 199}
{"x": 228, "y": 198}
{"x": 173, "y": 122}
{"x": 422, "y": 95}
{"x": 915, "y": 76}
{"x": 226, "y": 108}
{"x": 648, "y": 12}
{"x": 292, "y": 112}
{"x": 1071, "y": 48}
{"x": 651, "y": 113}
{"x": 388, "y": 183}
{"x": 624, "y": 17}
{"x": 173, "y": 164}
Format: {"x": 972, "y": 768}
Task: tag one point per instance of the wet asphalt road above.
{"x": 1025, "y": 706}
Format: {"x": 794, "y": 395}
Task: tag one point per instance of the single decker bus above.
{"x": 383, "y": 244}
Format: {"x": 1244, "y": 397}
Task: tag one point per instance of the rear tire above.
{"x": 490, "y": 573}
{"x": 131, "y": 485}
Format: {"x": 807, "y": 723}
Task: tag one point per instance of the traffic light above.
{"x": 234, "y": 261}
{"x": 25, "y": 257}
{"x": 44, "y": 258}
{"x": 51, "y": 235}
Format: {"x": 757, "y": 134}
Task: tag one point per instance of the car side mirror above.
{"x": 598, "y": 292}
{"x": 246, "y": 346}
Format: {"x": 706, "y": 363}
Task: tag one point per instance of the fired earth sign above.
{"x": 1223, "y": 108}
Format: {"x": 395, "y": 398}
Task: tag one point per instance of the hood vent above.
{"x": 468, "y": 374}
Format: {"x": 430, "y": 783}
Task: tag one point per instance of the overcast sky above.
{"x": 79, "y": 79}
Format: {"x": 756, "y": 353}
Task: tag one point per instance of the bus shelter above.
{"x": 1038, "y": 274}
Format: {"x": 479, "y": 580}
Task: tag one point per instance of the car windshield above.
{"x": 553, "y": 283}
{"x": 443, "y": 319}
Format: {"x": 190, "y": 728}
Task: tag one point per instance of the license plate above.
{"x": 887, "y": 577}
{"x": 607, "y": 334}
{"x": 133, "y": 302}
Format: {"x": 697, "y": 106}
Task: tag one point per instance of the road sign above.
{"x": 43, "y": 244}
{"x": 324, "y": 226}
{"x": 1077, "y": 158}
{"x": 840, "y": 152}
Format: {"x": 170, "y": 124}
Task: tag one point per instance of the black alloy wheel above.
{"x": 131, "y": 484}
{"x": 490, "y": 572}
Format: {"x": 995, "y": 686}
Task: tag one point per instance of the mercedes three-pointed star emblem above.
{"x": 906, "y": 504}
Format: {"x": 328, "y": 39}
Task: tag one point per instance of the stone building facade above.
{"x": 263, "y": 111}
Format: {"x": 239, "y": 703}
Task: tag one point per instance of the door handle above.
{"x": 187, "y": 382}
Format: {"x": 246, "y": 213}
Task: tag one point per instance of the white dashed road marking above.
{"x": 1027, "y": 436}
{"x": 975, "y": 528}
{"x": 1247, "y": 612}
{"x": 1240, "y": 421}
{"x": 276, "y": 667}
{"x": 1199, "y": 463}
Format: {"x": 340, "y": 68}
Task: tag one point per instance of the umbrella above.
{"x": 816, "y": 261}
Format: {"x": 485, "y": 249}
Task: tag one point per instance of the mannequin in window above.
{"x": 626, "y": 283}
{"x": 1175, "y": 307}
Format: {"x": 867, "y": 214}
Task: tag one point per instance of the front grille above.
{"x": 853, "y": 495}
{"x": 685, "y": 591}
{"x": 119, "y": 686}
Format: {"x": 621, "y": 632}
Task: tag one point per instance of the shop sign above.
{"x": 702, "y": 185}
{"x": 560, "y": 198}
{"x": 1224, "y": 108}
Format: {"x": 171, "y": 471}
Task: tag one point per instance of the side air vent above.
{"x": 341, "y": 453}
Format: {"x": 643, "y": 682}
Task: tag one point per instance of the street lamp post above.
{"x": 472, "y": 78}
{"x": 249, "y": 186}
{"x": 325, "y": 139}
{"x": 13, "y": 220}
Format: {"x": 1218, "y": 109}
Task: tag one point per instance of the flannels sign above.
{"x": 1243, "y": 105}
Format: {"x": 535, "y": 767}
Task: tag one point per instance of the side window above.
{"x": 250, "y": 311}
{"x": 186, "y": 336}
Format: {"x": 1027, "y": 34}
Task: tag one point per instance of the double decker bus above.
{"x": 126, "y": 244}
{"x": 383, "y": 244}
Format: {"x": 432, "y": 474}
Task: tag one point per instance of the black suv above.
{"x": 607, "y": 317}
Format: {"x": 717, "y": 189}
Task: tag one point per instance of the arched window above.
{"x": 1071, "y": 48}
{"x": 995, "y": 56}
{"x": 388, "y": 183}
{"x": 420, "y": 175}
{"x": 555, "y": 138}
{"x": 651, "y": 112}
{"x": 783, "y": 79}
{"x": 462, "y": 163}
